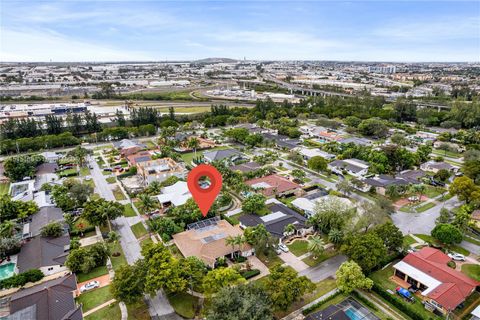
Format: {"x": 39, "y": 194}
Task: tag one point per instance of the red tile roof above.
{"x": 277, "y": 184}
{"x": 455, "y": 287}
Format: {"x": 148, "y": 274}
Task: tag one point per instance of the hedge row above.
{"x": 364, "y": 300}
{"x": 321, "y": 302}
{"x": 400, "y": 305}
{"x": 76, "y": 233}
{"x": 250, "y": 273}
{"x": 21, "y": 279}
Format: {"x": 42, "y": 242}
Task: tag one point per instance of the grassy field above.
{"x": 408, "y": 240}
{"x": 146, "y": 241}
{"x": 433, "y": 192}
{"x": 96, "y": 272}
{"x": 93, "y": 298}
{"x": 299, "y": 247}
{"x": 4, "y": 188}
{"x": 110, "y": 312}
{"x": 138, "y": 311}
{"x": 310, "y": 261}
{"x": 118, "y": 194}
{"x": 129, "y": 212}
{"x": 425, "y": 207}
{"x": 453, "y": 247}
{"x": 184, "y": 304}
{"x": 139, "y": 230}
{"x": 111, "y": 180}
{"x": 472, "y": 270}
{"x": 119, "y": 260}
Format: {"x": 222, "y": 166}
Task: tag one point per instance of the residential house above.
{"x": 453, "y": 146}
{"x": 357, "y": 141}
{"x": 441, "y": 287}
{"x": 246, "y": 167}
{"x": 50, "y": 300}
{"x": 434, "y": 166}
{"x": 206, "y": 240}
{"x": 37, "y": 221}
{"x": 308, "y": 203}
{"x": 127, "y": 146}
{"x": 381, "y": 183}
{"x": 309, "y": 153}
{"x": 138, "y": 157}
{"x": 226, "y": 155}
{"x": 160, "y": 169}
{"x": 51, "y": 157}
{"x": 47, "y": 254}
{"x": 273, "y": 185}
{"x": 354, "y": 167}
{"x": 281, "y": 141}
{"x": 275, "y": 222}
{"x": 22, "y": 190}
{"x": 176, "y": 194}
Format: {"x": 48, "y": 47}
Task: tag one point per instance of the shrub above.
{"x": 321, "y": 302}
{"x": 21, "y": 279}
{"x": 76, "y": 233}
{"x": 250, "y": 273}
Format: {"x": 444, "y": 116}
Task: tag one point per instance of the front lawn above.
{"x": 184, "y": 304}
{"x": 452, "y": 247}
{"x": 139, "y": 230}
{"x": 270, "y": 262}
{"x": 146, "y": 241}
{"x": 408, "y": 241}
{"x": 298, "y": 247}
{"x": 472, "y": 270}
{"x": 118, "y": 194}
{"x": 425, "y": 207}
{"x": 324, "y": 256}
{"x": 109, "y": 312}
{"x": 84, "y": 171}
{"x": 94, "y": 298}
{"x": 119, "y": 260}
{"x": 111, "y": 180}
{"x": 96, "y": 272}
{"x": 129, "y": 212}
{"x": 433, "y": 192}
{"x": 4, "y": 188}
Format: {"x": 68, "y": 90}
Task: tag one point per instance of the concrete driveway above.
{"x": 325, "y": 269}
{"x": 293, "y": 261}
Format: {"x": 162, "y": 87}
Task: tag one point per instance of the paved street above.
{"x": 158, "y": 305}
{"x": 325, "y": 269}
{"x": 422, "y": 222}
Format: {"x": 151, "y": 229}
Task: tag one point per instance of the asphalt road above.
{"x": 325, "y": 269}
{"x": 158, "y": 305}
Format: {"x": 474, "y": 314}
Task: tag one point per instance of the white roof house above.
{"x": 177, "y": 194}
{"x": 308, "y": 205}
{"x": 310, "y": 153}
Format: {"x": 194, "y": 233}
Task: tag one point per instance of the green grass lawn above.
{"x": 138, "y": 311}
{"x": 184, "y": 304}
{"x": 425, "y": 207}
{"x": 299, "y": 247}
{"x": 129, "y": 212}
{"x": 119, "y": 260}
{"x": 313, "y": 262}
{"x": 118, "y": 194}
{"x": 234, "y": 218}
{"x": 472, "y": 270}
{"x": 4, "y": 188}
{"x": 139, "y": 230}
{"x": 408, "y": 240}
{"x": 150, "y": 144}
{"x": 449, "y": 154}
{"x": 109, "y": 312}
{"x": 111, "y": 180}
{"x": 68, "y": 172}
{"x": 84, "y": 171}
{"x": 433, "y": 192}
{"x": 96, "y": 272}
{"x": 93, "y": 298}
{"x": 453, "y": 247}
{"x": 146, "y": 241}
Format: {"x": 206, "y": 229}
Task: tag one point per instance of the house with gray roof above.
{"x": 50, "y": 300}
{"x": 354, "y": 167}
{"x": 43, "y": 217}
{"x": 230, "y": 155}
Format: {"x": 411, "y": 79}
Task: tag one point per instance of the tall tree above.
{"x": 351, "y": 277}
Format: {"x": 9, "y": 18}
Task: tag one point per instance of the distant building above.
{"x": 309, "y": 153}
{"x": 160, "y": 169}
{"x": 176, "y": 194}
{"x": 273, "y": 185}
{"x": 382, "y": 69}
{"x": 354, "y": 167}
{"x": 307, "y": 203}
{"x": 246, "y": 167}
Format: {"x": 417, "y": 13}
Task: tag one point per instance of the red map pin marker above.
{"x": 204, "y": 197}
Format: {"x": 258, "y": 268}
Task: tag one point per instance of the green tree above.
{"x": 316, "y": 246}
{"x": 101, "y": 211}
{"x": 243, "y": 302}
{"x": 344, "y": 187}
{"x": 335, "y": 236}
{"x": 331, "y": 214}
{"x": 53, "y": 230}
{"x": 350, "y": 277}
{"x": 193, "y": 270}
{"x": 465, "y": 189}
{"x": 367, "y": 250}
{"x": 219, "y": 278}
{"x": 146, "y": 203}
{"x": 284, "y": 287}
{"x": 391, "y": 236}
{"x": 298, "y": 174}
{"x": 19, "y": 167}
{"x": 80, "y": 154}
{"x": 254, "y": 203}
{"x": 447, "y": 233}
{"x": 128, "y": 285}
{"x": 317, "y": 163}
{"x": 373, "y": 128}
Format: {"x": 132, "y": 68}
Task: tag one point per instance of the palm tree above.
{"x": 7, "y": 228}
{"x": 80, "y": 154}
{"x": 289, "y": 229}
{"x": 419, "y": 189}
{"x": 235, "y": 242}
{"x": 315, "y": 246}
{"x": 147, "y": 204}
{"x": 335, "y": 236}
{"x": 193, "y": 143}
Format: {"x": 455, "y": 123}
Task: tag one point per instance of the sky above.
{"x": 82, "y": 30}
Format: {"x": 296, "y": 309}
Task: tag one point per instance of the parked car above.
{"x": 456, "y": 256}
{"x": 89, "y": 286}
{"x": 108, "y": 169}
{"x": 283, "y": 247}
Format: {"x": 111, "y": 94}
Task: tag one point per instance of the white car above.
{"x": 89, "y": 286}
{"x": 456, "y": 256}
{"x": 283, "y": 247}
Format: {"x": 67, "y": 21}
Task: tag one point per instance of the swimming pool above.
{"x": 353, "y": 314}
{"x": 7, "y": 270}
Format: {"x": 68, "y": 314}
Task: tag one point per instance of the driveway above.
{"x": 293, "y": 261}
{"x": 422, "y": 222}
{"x": 257, "y": 264}
{"x": 104, "y": 281}
{"x": 325, "y": 269}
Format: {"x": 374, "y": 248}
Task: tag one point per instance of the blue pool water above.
{"x": 7, "y": 270}
{"x": 353, "y": 314}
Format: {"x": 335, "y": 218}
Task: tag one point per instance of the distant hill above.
{"x": 215, "y": 60}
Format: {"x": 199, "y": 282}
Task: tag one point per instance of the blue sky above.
{"x": 283, "y": 30}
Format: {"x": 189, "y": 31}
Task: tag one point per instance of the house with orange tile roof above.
{"x": 273, "y": 185}
{"x": 441, "y": 287}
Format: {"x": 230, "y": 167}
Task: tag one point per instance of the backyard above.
{"x": 111, "y": 312}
